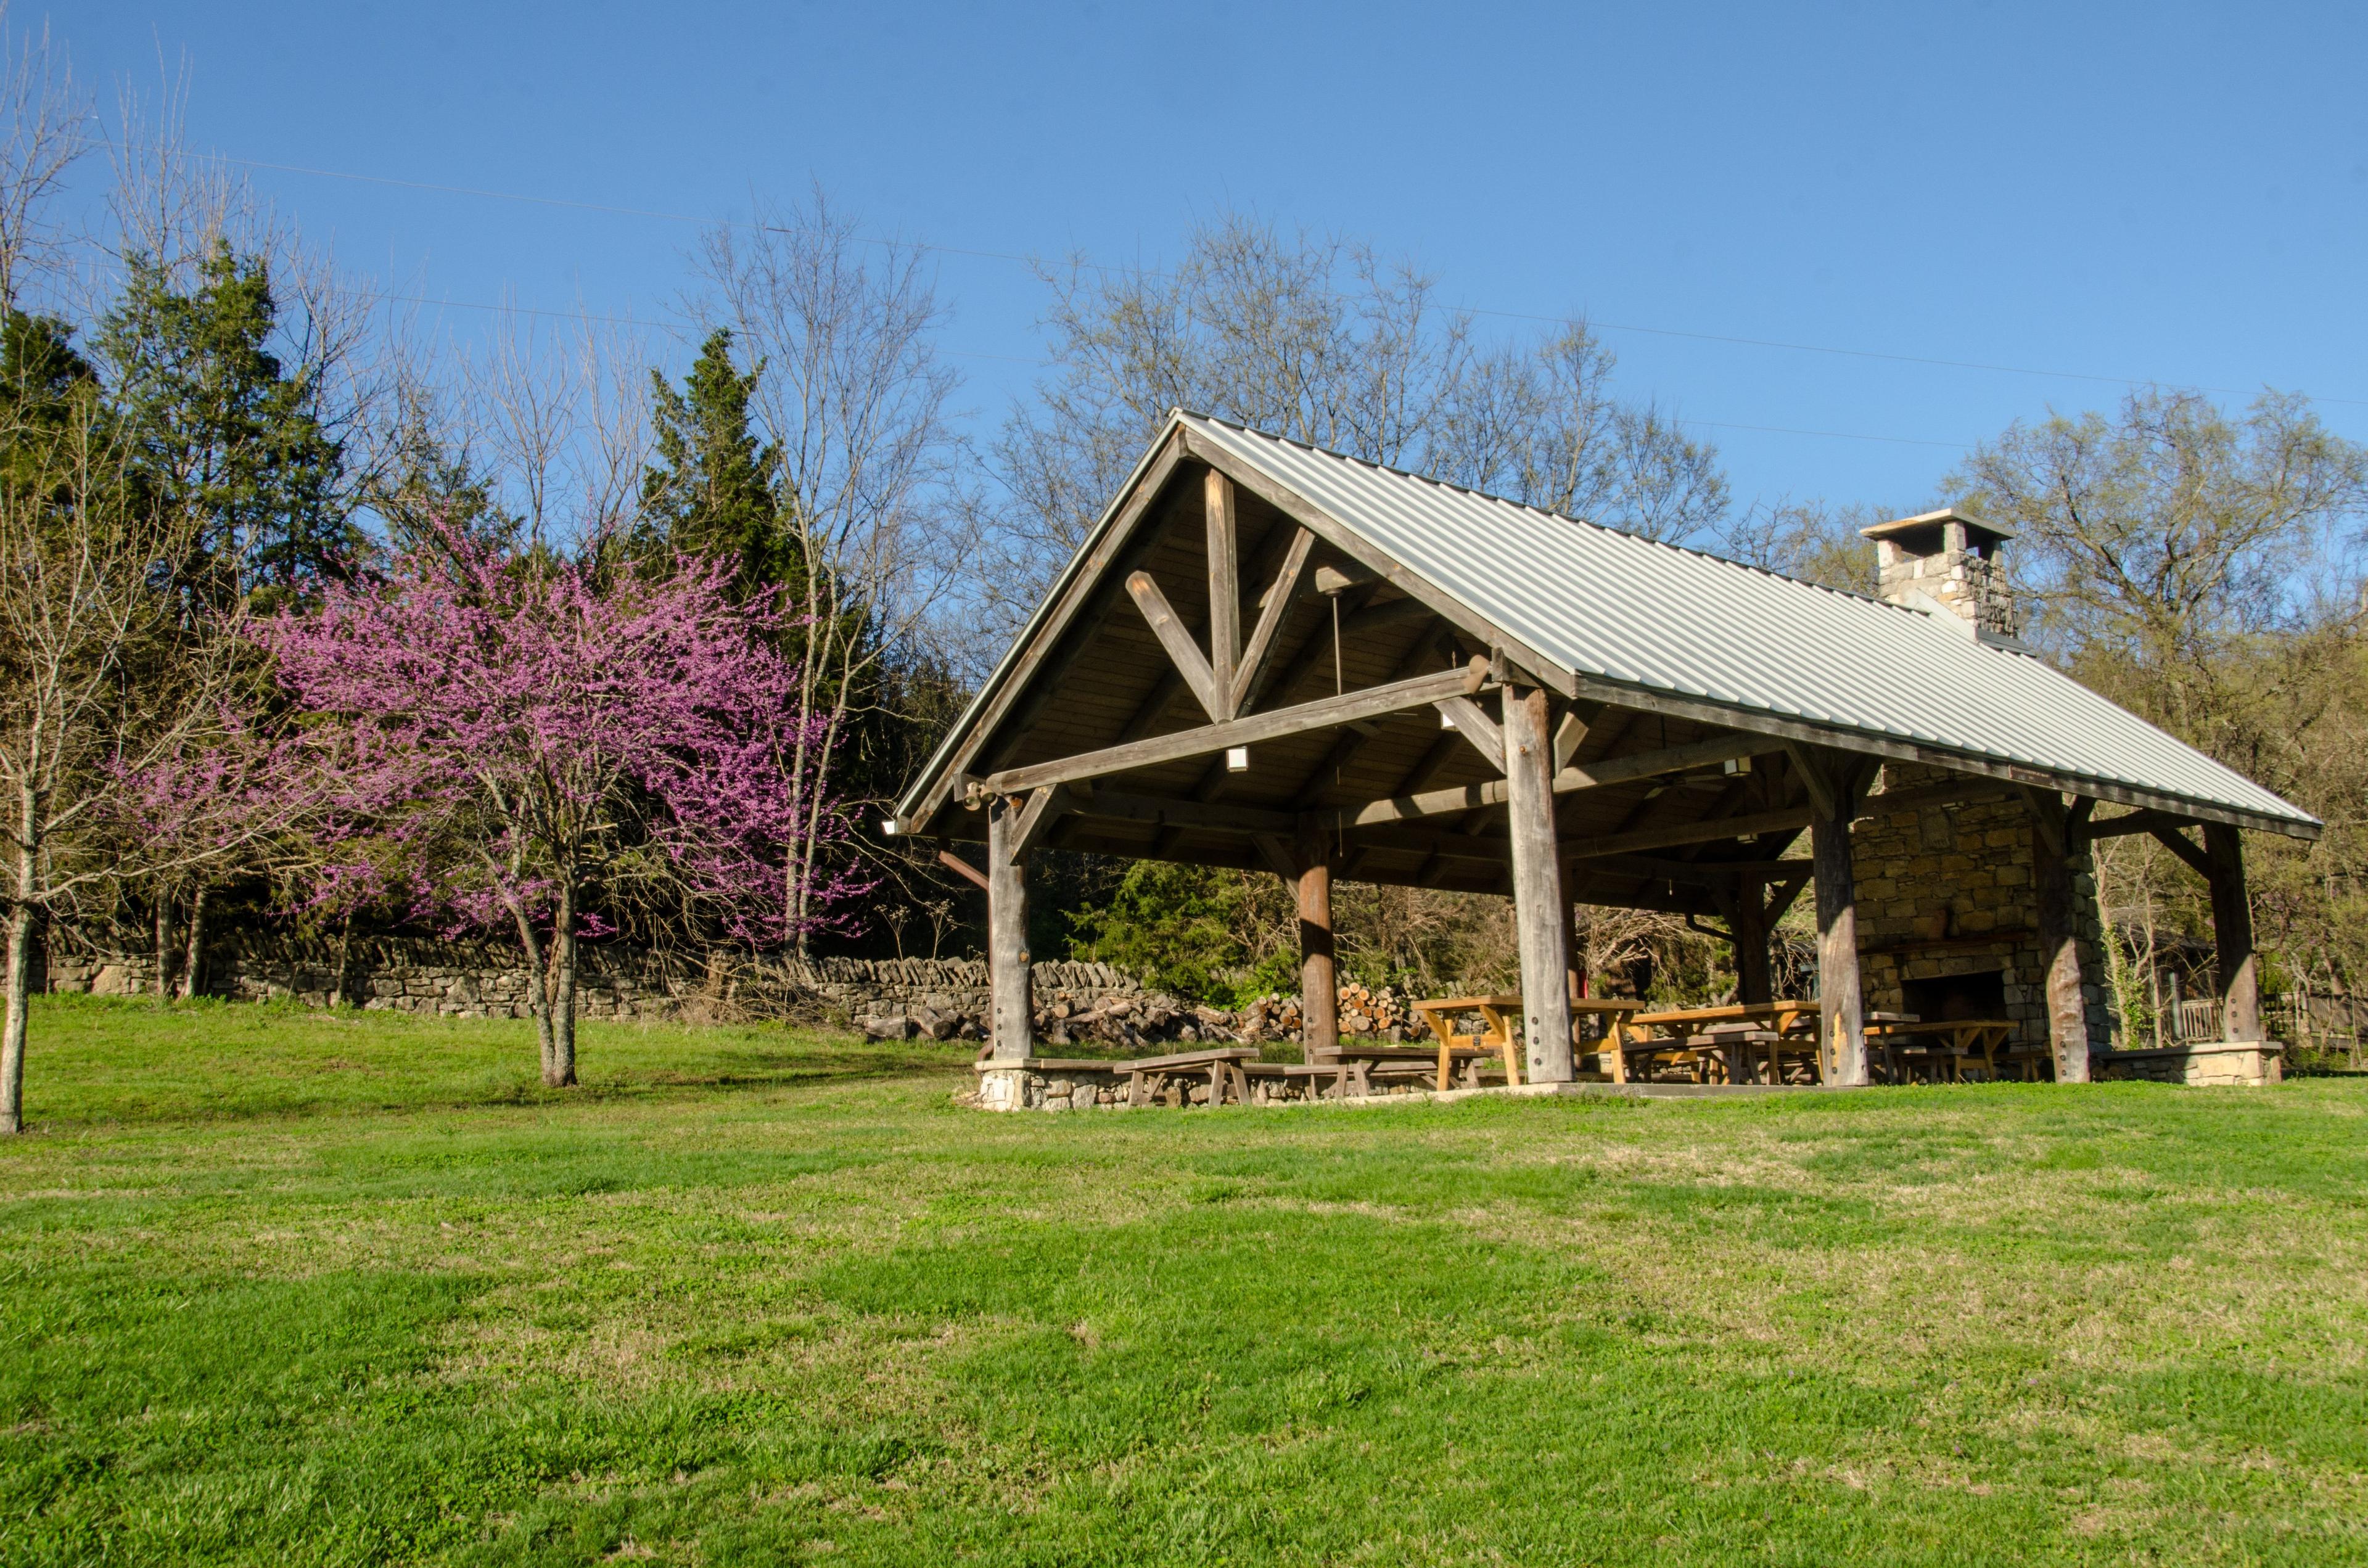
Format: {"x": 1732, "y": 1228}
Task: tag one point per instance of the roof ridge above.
{"x": 1708, "y": 555}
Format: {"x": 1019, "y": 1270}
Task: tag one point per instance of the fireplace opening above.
{"x": 1950, "y": 996}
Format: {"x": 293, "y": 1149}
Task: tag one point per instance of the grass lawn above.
{"x": 289, "y": 1289}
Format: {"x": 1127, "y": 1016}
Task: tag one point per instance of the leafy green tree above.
{"x": 715, "y": 491}
{"x": 223, "y": 432}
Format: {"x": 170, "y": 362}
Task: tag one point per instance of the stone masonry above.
{"x": 1949, "y": 891}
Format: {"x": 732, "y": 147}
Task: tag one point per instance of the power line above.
{"x": 1781, "y": 344}
{"x": 1020, "y": 359}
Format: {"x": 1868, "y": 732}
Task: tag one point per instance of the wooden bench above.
{"x": 1146, "y": 1075}
{"x": 1445, "y": 1064}
{"x": 1344, "y": 1077}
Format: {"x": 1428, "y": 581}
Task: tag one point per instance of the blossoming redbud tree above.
{"x": 547, "y": 746}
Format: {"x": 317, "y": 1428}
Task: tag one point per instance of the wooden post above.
{"x": 2236, "y": 971}
{"x": 1224, "y": 589}
{"x": 1748, "y": 918}
{"x": 1540, "y": 911}
{"x": 1006, "y": 933}
{"x": 2059, "y": 936}
{"x": 1319, "y": 986}
{"x": 1841, "y": 1022}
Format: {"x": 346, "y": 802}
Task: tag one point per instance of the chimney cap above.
{"x": 1977, "y": 531}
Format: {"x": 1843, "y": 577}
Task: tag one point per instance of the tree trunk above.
{"x": 561, "y": 1074}
{"x": 164, "y": 944}
{"x": 193, "y": 966}
{"x": 537, "y": 996}
{"x": 344, "y": 962}
{"x": 20, "y": 981}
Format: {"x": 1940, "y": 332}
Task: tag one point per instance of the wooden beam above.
{"x": 1595, "y": 775}
{"x": 1473, "y": 724}
{"x": 1792, "y": 818}
{"x": 1280, "y": 597}
{"x": 1036, "y": 819}
{"x": 1810, "y": 770}
{"x": 2236, "y": 970}
{"x": 1164, "y": 812}
{"x": 955, "y": 862}
{"x": 2178, "y": 844}
{"x": 1169, "y": 627}
{"x": 1571, "y": 733}
{"x": 1372, "y": 702}
{"x": 1224, "y": 591}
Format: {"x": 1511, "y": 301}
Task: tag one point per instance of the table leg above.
{"x": 1618, "y": 1036}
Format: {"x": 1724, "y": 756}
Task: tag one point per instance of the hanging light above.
{"x": 1237, "y": 760}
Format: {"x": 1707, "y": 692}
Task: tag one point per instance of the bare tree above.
{"x": 853, "y": 396}
{"x": 44, "y": 128}
{"x": 104, "y": 682}
{"x": 561, "y": 413}
{"x": 1317, "y": 338}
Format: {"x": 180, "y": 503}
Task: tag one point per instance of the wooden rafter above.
{"x": 1371, "y": 702}
{"x": 1199, "y": 676}
{"x": 1592, "y": 776}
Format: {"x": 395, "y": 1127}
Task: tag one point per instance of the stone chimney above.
{"x": 1947, "y": 561}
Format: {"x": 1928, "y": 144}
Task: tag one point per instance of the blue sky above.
{"x": 2163, "y": 193}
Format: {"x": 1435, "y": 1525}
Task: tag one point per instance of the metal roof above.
{"x": 1658, "y": 618}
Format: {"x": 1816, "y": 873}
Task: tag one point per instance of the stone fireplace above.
{"x": 1948, "y": 902}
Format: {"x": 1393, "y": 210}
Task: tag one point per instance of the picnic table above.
{"x": 1499, "y": 1011}
{"x": 1731, "y": 1033}
{"x": 1959, "y": 1043}
{"x": 1687, "y": 1031}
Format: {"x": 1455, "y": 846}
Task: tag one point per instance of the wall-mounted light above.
{"x": 887, "y": 827}
{"x": 1237, "y": 760}
{"x": 1446, "y": 720}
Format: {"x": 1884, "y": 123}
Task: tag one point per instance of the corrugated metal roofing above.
{"x": 1622, "y": 608}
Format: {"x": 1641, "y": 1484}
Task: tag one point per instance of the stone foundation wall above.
{"x": 2231, "y": 1064}
{"x": 1948, "y": 891}
{"x": 1052, "y": 1084}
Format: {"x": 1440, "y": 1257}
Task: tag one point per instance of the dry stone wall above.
{"x": 887, "y": 998}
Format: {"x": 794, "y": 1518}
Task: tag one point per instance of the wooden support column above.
{"x": 1841, "y": 1021}
{"x": 1007, "y": 932}
{"x": 1748, "y": 918}
{"x": 1319, "y": 984}
{"x": 2052, "y": 843}
{"x": 1539, "y": 912}
{"x": 2236, "y": 971}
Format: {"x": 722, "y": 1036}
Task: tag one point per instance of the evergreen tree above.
{"x": 223, "y": 432}
{"x": 42, "y": 379}
{"x": 714, "y": 492}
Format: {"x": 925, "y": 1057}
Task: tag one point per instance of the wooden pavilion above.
{"x": 1267, "y": 655}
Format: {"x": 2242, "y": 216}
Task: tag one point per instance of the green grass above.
{"x": 289, "y": 1289}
